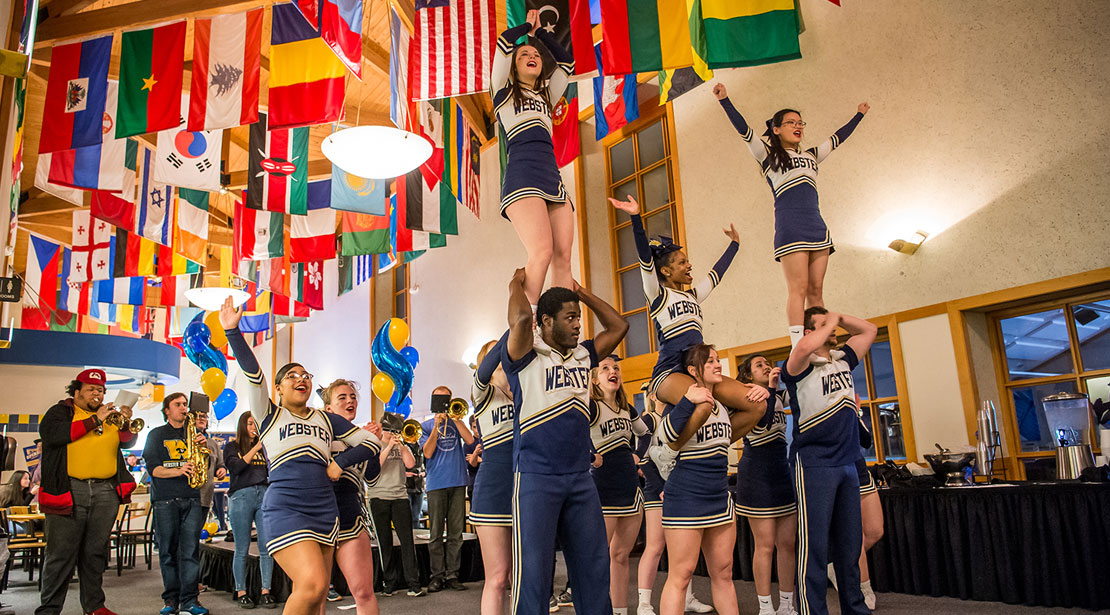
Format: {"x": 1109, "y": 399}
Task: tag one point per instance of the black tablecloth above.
{"x": 216, "y": 561}
{"x": 1032, "y": 544}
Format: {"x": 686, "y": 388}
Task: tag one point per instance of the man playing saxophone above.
{"x": 176, "y": 455}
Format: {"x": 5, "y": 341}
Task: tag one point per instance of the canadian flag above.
{"x": 92, "y": 248}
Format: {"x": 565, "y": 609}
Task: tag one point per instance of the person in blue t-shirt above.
{"x": 445, "y": 461}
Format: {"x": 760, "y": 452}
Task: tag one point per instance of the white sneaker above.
{"x": 868, "y": 598}
{"x": 786, "y": 609}
{"x": 832, "y": 577}
{"x": 767, "y": 611}
{"x": 693, "y": 605}
{"x": 644, "y": 608}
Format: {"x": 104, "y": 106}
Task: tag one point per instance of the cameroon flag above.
{"x": 152, "y": 63}
{"x": 749, "y": 32}
{"x": 640, "y": 36}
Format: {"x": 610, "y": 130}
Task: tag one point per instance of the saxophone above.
{"x": 197, "y": 455}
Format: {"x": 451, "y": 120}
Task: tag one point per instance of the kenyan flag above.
{"x": 152, "y": 62}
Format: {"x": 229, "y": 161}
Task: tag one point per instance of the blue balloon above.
{"x": 196, "y": 336}
{"x": 405, "y": 407}
{"x": 225, "y": 404}
{"x": 411, "y": 355}
{"x": 388, "y": 360}
{"x": 212, "y": 357}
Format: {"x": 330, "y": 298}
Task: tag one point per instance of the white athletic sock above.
{"x": 645, "y": 596}
{"x": 786, "y": 598}
{"x": 621, "y": 611}
{"x": 765, "y": 603}
{"x": 865, "y": 586}
{"x": 796, "y": 333}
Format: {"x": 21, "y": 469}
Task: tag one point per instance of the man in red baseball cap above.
{"x": 84, "y": 480}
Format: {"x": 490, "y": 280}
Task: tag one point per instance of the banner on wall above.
{"x": 31, "y": 454}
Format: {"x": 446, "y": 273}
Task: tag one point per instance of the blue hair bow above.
{"x": 662, "y": 246}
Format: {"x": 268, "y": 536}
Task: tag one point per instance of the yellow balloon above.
{"x": 383, "y": 386}
{"x": 398, "y": 333}
{"x": 212, "y": 382}
{"x": 212, "y": 527}
{"x": 219, "y": 340}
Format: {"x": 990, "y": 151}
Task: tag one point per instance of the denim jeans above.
{"x": 177, "y": 525}
{"x": 244, "y": 509}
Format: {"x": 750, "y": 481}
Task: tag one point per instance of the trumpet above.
{"x": 411, "y": 431}
{"x": 116, "y": 419}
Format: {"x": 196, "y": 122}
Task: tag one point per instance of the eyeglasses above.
{"x": 294, "y": 376}
{"x": 798, "y": 123}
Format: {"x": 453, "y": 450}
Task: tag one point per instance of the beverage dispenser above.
{"x": 1069, "y": 420}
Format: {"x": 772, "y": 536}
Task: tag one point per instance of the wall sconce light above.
{"x": 909, "y": 246}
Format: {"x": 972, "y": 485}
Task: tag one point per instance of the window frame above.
{"x": 402, "y": 290}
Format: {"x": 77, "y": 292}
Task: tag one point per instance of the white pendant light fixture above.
{"x": 376, "y": 152}
{"x": 211, "y": 298}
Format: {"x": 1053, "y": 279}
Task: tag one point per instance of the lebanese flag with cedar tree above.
{"x": 227, "y": 52}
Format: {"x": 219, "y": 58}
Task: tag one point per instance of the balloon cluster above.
{"x": 203, "y": 338}
{"x": 395, "y": 362}
{"x": 208, "y": 530}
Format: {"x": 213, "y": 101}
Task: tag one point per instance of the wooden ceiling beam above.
{"x": 59, "y": 8}
{"x": 134, "y": 14}
{"x": 375, "y": 54}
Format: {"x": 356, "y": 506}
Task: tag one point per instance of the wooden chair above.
{"x": 132, "y": 529}
{"x": 29, "y": 549}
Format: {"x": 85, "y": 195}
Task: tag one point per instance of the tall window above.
{"x": 1063, "y": 346}
{"x": 401, "y": 292}
{"x": 642, "y": 165}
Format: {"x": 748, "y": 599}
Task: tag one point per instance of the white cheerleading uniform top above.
{"x": 613, "y": 428}
{"x": 771, "y": 431}
{"x": 492, "y": 407}
{"x": 551, "y": 427}
{"x": 826, "y": 423}
{"x": 535, "y": 113}
{"x": 711, "y": 440}
{"x": 354, "y": 478}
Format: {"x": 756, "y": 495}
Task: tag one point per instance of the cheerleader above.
{"x": 533, "y": 196}
{"x": 697, "y": 505}
{"x": 677, "y": 316}
{"x": 299, "y": 508}
{"x": 653, "y": 517}
{"x": 802, "y": 241}
{"x": 871, "y": 511}
{"x": 491, "y": 504}
{"x": 614, "y": 472}
{"x": 353, "y": 550}
{"x": 764, "y": 493}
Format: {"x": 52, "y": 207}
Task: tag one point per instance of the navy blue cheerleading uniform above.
{"x": 764, "y": 486}
{"x": 617, "y": 482}
{"x": 866, "y": 481}
{"x": 553, "y": 495}
{"x": 675, "y": 313}
{"x": 492, "y": 500}
{"x": 826, "y": 481}
{"x": 300, "y": 503}
{"x": 799, "y": 226}
{"x": 653, "y": 482}
{"x": 696, "y": 493}
{"x": 350, "y": 494}
{"x": 531, "y": 170}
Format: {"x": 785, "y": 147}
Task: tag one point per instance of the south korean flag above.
{"x": 189, "y": 159}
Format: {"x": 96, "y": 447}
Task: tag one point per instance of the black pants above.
{"x": 79, "y": 540}
{"x": 446, "y": 506}
{"x": 390, "y": 515}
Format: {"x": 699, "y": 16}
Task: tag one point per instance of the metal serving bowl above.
{"x": 951, "y": 466}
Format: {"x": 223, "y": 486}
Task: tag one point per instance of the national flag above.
{"x": 568, "y": 21}
{"x": 129, "y": 318}
{"x": 564, "y": 129}
{"x": 312, "y": 237}
{"x": 452, "y": 47}
{"x": 306, "y": 283}
{"x": 152, "y": 62}
{"x": 473, "y": 190}
{"x": 615, "y": 101}
{"x": 189, "y": 159}
{"x": 128, "y": 291}
{"x": 749, "y": 32}
{"x": 399, "y": 41}
{"x": 192, "y": 224}
{"x": 310, "y": 11}
{"x": 341, "y": 29}
{"x": 40, "y": 287}
{"x": 411, "y": 194}
{"x": 457, "y": 165}
{"x": 282, "y": 305}
{"x": 170, "y": 262}
{"x": 72, "y": 296}
{"x": 259, "y": 235}
{"x": 94, "y": 167}
{"x": 385, "y": 262}
{"x": 640, "y": 36}
{"x": 73, "y": 108}
{"x": 277, "y": 169}
{"x": 429, "y": 124}
{"x": 676, "y": 82}
{"x": 92, "y": 245}
{"x": 353, "y": 193}
{"x": 173, "y": 289}
{"x": 423, "y": 206}
{"x": 227, "y": 53}
{"x": 42, "y": 182}
{"x": 133, "y": 254}
{"x": 364, "y": 234}
{"x": 353, "y": 271}
{"x": 154, "y": 216}
{"x": 118, "y": 208}
{"x": 306, "y": 79}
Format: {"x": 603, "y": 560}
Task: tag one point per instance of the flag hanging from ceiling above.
{"x": 192, "y": 224}
{"x": 132, "y": 255}
{"x": 154, "y": 216}
{"x": 749, "y": 32}
{"x": 226, "y": 66}
{"x": 171, "y": 262}
{"x": 189, "y": 159}
{"x": 72, "y": 296}
{"x": 567, "y": 21}
{"x": 277, "y": 171}
{"x": 152, "y": 64}
{"x": 118, "y": 208}
{"x": 310, "y": 11}
{"x": 353, "y": 271}
{"x": 121, "y": 291}
{"x": 354, "y": 193}
{"x": 676, "y": 82}
{"x": 429, "y": 124}
{"x": 564, "y": 126}
{"x": 282, "y": 305}
{"x": 94, "y": 167}
{"x": 306, "y": 283}
{"x": 73, "y": 108}
{"x": 306, "y": 79}
{"x": 364, "y": 234}
{"x": 473, "y": 190}
{"x": 341, "y": 29}
{"x": 615, "y": 101}
{"x": 40, "y": 288}
{"x": 172, "y": 293}
{"x": 452, "y": 47}
{"x": 399, "y": 41}
{"x": 92, "y": 244}
{"x": 42, "y": 182}
{"x": 456, "y": 166}
{"x": 642, "y": 36}
{"x": 412, "y": 192}
{"x": 259, "y": 235}
{"x": 312, "y": 237}
{"x": 422, "y": 206}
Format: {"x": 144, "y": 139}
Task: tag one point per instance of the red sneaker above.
{"x": 102, "y": 611}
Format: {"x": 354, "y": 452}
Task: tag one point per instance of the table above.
{"x": 1038, "y": 544}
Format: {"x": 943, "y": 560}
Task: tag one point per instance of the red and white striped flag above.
{"x": 452, "y": 48}
{"x": 226, "y": 64}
